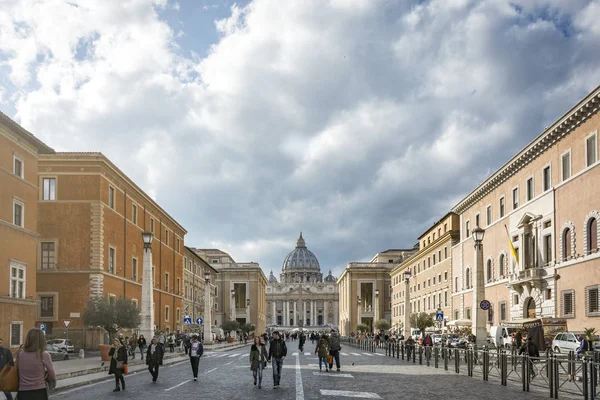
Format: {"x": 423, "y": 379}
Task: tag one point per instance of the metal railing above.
{"x": 550, "y": 373}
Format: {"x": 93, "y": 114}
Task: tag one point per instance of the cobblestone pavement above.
{"x": 227, "y": 374}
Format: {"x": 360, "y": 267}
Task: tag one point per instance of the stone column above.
{"x": 285, "y": 313}
{"x": 274, "y": 319}
{"x": 304, "y": 313}
{"x": 325, "y": 314}
{"x": 478, "y": 315}
{"x": 207, "y": 314}
{"x": 407, "y": 310}
{"x": 147, "y": 311}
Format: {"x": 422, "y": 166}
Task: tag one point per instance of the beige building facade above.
{"x": 19, "y": 237}
{"x": 429, "y": 286}
{"x": 91, "y": 219}
{"x": 194, "y": 289}
{"x": 240, "y": 289}
{"x": 547, "y": 198}
{"x": 302, "y": 297}
{"x": 366, "y": 291}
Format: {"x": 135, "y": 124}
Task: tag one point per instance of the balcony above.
{"x": 531, "y": 277}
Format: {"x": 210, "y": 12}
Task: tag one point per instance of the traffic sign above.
{"x": 485, "y": 305}
{"x": 439, "y": 317}
{"x": 66, "y": 323}
{"x": 187, "y": 320}
{"x": 43, "y": 327}
{"x": 199, "y": 321}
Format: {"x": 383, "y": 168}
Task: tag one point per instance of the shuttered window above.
{"x": 567, "y": 244}
{"x": 592, "y": 301}
{"x": 568, "y": 304}
{"x": 592, "y": 235}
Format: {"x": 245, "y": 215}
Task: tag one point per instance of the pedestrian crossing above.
{"x": 307, "y": 354}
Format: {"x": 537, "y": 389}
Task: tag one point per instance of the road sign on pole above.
{"x": 66, "y": 323}
{"x": 43, "y": 328}
{"x": 485, "y": 305}
{"x": 439, "y": 316}
{"x": 187, "y": 320}
{"x": 199, "y": 321}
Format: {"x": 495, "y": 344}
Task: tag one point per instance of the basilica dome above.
{"x": 301, "y": 259}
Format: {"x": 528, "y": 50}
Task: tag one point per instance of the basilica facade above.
{"x": 302, "y": 298}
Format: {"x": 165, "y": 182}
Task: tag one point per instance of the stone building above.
{"x": 430, "y": 285}
{"x": 90, "y": 223}
{"x": 194, "y": 289}
{"x": 544, "y": 200}
{"x": 365, "y": 290}
{"x": 302, "y": 297}
{"x": 240, "y": 289}
{"x": 19, "y": 237}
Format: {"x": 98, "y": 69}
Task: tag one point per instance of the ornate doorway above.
{"x": 529, "y": 308}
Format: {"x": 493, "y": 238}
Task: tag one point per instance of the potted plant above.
{"x": 229, "y": 326}
{"x": 111, "y": 316}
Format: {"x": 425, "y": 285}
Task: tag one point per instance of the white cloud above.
{"x": 357, "y": 122}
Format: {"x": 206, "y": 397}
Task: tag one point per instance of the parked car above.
{"x": 566, "y": 342}
{"x": 56, "y": 354}
{"x": 63, "y": 344}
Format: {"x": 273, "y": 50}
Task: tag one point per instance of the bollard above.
{"x": 486, "y": 364}
{"x": 81, "y": 353}
{"x": 420, "y": 356}
{"x": 584, "y": 379}
{"x": 456, "y": 361}
{"x": 436, "y": 356}
{"x": 402, "y": 349}
{"x": 550, "y": 369}
{"x": 445, "y": 353}
{"x": 414, "y": 353}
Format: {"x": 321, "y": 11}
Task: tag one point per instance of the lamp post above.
{"x": 406, "y": 322}
{"x": 233, "y": 313}
{"x": 478, "y": 315}
{"x": 247, "y": 311}
{"x": 358, "y": 309}
{"x": 147, "y": 311}
{"x": 207, "y": 309}
{"x": 376, "y": 315}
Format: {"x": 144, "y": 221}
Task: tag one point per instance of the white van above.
{"x": 502, "y": 336}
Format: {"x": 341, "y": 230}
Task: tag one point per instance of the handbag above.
{"x": 330, "y": 359}
{"x": 9, "y": 377}
{"x": 125, "y": 369}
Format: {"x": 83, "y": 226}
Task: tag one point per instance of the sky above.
{"x": 358, "y": 122}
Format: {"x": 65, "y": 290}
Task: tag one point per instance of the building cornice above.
{"x": 571, "y": 120}
{"x": 429, "y": 249}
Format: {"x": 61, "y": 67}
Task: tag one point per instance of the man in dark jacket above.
{"x": 6, "y": 357}
{"x": 334, "y": 348}
{"x": 531, "y": 349}
{"x": 277, "y": 351}
{"x": 195, "y": 352}
{"x": 154, "y": 357}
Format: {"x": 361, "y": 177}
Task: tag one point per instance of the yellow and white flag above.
{"x": 512, "y": 247}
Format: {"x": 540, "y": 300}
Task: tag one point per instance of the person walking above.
{"x": 301, "y": 342}
{"x": 131, "y": 346}
{"x": 6, "y": 358}
{"x": 518, "y": 339}
{"x": 277, "y": 353}
{"x": 142, "y": 345}
{"x": 335, "y": 347}
{"x": 258, "y": 360}
{"x": 195, "y": 352}
{"x": 321, "y": 352}
{"x": 171, "y": 341}
{"x": 154, "y": 358}
{"x": 118, "y": 354}
{"x": 34, "y": 363}
{"x": 532, "y": 351}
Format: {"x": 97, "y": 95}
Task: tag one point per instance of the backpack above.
{"x": 334, "y": 342}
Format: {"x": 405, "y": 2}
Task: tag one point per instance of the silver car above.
{"x": 56, "y": 354}
{"x": 63, "y": 344}
{"x": 566, "y": 342}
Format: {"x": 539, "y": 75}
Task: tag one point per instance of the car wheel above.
{"x": 557, "y": 350}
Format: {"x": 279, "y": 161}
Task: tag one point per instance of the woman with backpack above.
{"x": 321, "y": 352}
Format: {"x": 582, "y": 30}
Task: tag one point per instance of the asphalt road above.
{"x": 227, "y": 375}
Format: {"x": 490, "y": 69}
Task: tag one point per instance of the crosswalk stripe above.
{"x": 369, "y": 355}
{"x": 234, "y": 355}
{"x": 333, "y": 374}
{"x": 381, "y": 355}
{"x": 294, "y": 354}
{"x": 344, "y": 354}
{"x": 355, "y": 354}
{"x": 346, "y": 393}
{"x": 307, "y": 354}
{"x": 222, "y": 355}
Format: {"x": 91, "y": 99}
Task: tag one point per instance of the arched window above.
{"x": 501, "y": 265}
{"x": 468, "y": 278}
{"x": 489, "y": 271}
{"x": 566, "y": 244}
{"x": 592, "y": 235}
{"x": 456, "y": 284}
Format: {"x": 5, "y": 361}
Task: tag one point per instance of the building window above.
{"x": 490, "y": 314}
{"x": 111, "y": 260}
{"x": 18, "y": 169}
{"x": 502, "y": 311}
{"x": 134, "y": 214}
{"x": 166, "y": 281}
{"x": 568, "y": 304}
{"x": 548, "y": 249}
{"x": 445, "y": 253}
{"x": 134, "y": 269}
{"x": 46, "y": 306}
{"x": 566, "y": 165}
{"x": 548, "y": 294}
{"x": 186, "y": 291}
{"x": 468, "y": 278}
{"x": 477, "y": 220}
{"x": 434, "y": 259}
{"x": 455, "y": 314}
{"x": 489, "y": 271}
{"x": 547, "y": 178}
{"x": 179, "y": 246}
{"x": 456, "y": 284}
{"x": 501, "y": 207}
{"x": 178, "y": 287}
{"x": 488, "y": 215}
{"x": 592, "y": 235}
{"x": 152, "y": 225}
{"x": 445, "y": 298}
{"x": 16, "y": 333}
{"x": 167, "y": 237}
{"x": 591, "y": 149}
{"x": 49, "y": 189}
{"x": 111, "y": 197}
{"x": 566, "y": 244}
{"x": 178, "y": 312}
{"x": 445, "y": 276}
{"x": 530, "y": 192}
{"x": 47, "y": 255}
{"x": 468, "y": 228}
{"x": 515, "y": 198}
{"x": 501, "y": 262}
{"x": 167, "y": 313}
{"x": 17, "y": 280}
{"x": 592, "y": 300}
{"x": 18, "y": 210}
{"x": 468, "y": 313}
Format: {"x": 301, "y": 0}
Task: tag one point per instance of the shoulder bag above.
{"x": 9, "y": 377}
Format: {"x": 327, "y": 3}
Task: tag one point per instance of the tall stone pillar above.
{"x": 304, "y": 313}
{"x": 147, "y": 311}
{"x": 325, "y": 314}
{"x": 407, "y": 310}
{"x": 478, "y": 315}
{"x": 274, "y": 319}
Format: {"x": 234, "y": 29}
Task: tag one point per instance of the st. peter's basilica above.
{"x": 302, "y": 297}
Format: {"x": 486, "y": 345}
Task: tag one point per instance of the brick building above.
{"x": 19, "y": 152}
{"x": 90, "y": 220}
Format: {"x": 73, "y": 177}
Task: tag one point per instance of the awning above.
{"x": 460, "y": 322}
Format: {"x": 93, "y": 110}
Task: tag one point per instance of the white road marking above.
{"x": 345, "y": 393}
{"x": 222, "y": 355}
{"x": 230, "y": 362}
{"x": 344, "y": 354}
{"x": 355, "y": 354}
{"x": 307, "y": 354}
{"x": 369, "y": 355}
{"x": 176, "y": 386}
{"x": 208, "y": 372}
{"x": 333, "y": 374}
{"x": 234, "y": 355}
{"x": 381, "y": 355}
{"x": 294, "y": 354}
{"x": 299, "y": 388}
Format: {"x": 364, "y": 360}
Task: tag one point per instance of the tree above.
{"x": 229, "y": 326}
{"x": 422, "y": 321}
{"x": 112, "y": 316}
{"x": 247, "y": 327}
{"x": 382, "y": 325}
{"x": 362, "y": 327}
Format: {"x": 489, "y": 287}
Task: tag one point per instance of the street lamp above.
{"x": 147, "y": 311}
{"x": 406, "y": 322}
{"x": 479, "y": 314}
{"x": 376, "y": 308}
{"x": 358, "y": 308}
{"x": 207, "y": 309}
